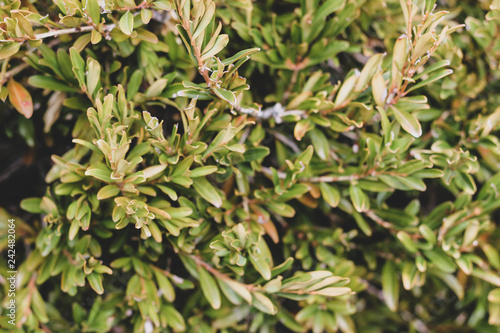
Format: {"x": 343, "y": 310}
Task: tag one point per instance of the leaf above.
{"x": 494, "y": 296}
{"x": 93, "y": 76}
{"x": 226, "y": 95}
{"x": 255, "y": 153}
{"x": 207, "y": 191}
{"x": 320, "y": 144}
{"x": 219, "y": 44}
{"x": 434, "y": 77}
{"x": 156, "y": 88}
{"x": 263, "y": 303}
{"x": 332, "y": 291}
{"x": 38, "y": 306}
{"x": 205, "y": 21}
{"x": 100, "y": 172}
{"x": 20, "y": 98}
{"x": 371, "y": 67}
{"x": 175, "y": 319}
{"x": 390, "y": 285}
{"x": 262, "y": 266}
{"x": 379, "y": 89}
{"x": 126, "y": 23}
{"x": 154, "y": 171}
{"x": 359, "y": 198}
{"x": 9, "y": 49}
{"x": 362, "y": 224}
{"x": 53, "y": 111}
{"x": 209, "y": 288}
{"x": 452, "y": 282}
{"x": 441, "y": 260}
{"x": 146, "y": 15}
{"x": 240, "y": 289}
{"x": 345, "y": 91}
{"x": 203, "y": 171}
{"x": 330, "y": 194}
{"x": 108, "y": 191}
{"x": 32, "y": 205}
{"x": 165, "y": 286}
{"x": 94, "y": 11}
{"x": 407, "y": 242}
{"x": 95, "y": 281}
{"x": 408, "y": 122}
{"x": 47, "y": 82}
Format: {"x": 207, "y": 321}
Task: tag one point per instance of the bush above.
{"x": 242, "y": 166}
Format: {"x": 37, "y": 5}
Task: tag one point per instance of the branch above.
{"x": 277, "y": 111}
{"x": 55, "y": 33}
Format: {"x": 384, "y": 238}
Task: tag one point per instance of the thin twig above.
{"x": 55, "y": 33}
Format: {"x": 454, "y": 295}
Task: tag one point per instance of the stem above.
{"x": 56, "y": 33}
{"x": 12, "y": 72}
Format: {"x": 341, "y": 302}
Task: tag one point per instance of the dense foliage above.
{"x": 239, "y": 166}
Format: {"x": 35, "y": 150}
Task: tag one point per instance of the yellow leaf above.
{"x": 20, "y": 98}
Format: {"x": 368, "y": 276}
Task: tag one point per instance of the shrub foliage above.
{"x": 239, "y": 166}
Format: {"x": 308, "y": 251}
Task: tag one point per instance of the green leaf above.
{"x": 226, "y": 95}
{"x": 494, "y": 296}
{"x": 203, "y": 171}
{"x": 93, "y": 76}
{"x": 94, "y": 11}
{"x": 108, "y": 191}
{"x": 434, "y": 77}
{"x": 359, "y": 199}
{"x": 207, "y": 191}
{"x": 154, "y": 171}
{"x": 332, "y": 291}
{"x": 38, "y": 306}
{"x": 441, "y": 260}
{"x": 330, "y": 194}
{"x": 209, "y": 288}
{"x": 126, "y": 23}
{"x": 262, "y": 266}
{"x": 47, "y": 82}
{"x": 255, "y": 153}
{"x": 95, "y": 281}
{"x": 32, "y": 205}
{"x": 156, "y": 88}
{"x": 263, "y": 303}
{"x": 219, "y": 44}
{"x": 99, "y": 171}
{"x": 205, "y": 21}
{"x": 408, "y": 121}
{"x": 9, "y": 49}
{"x": 390, "y": 285}
{"x": 240, "y": 289}
{"x": 165, "y": 285}
{"x": 407, "y": 242}
{"x": 320, "y": 144}
{"x": 134, "y": 84}
{"x": 362, "y": 224}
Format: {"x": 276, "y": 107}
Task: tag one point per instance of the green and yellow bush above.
{"x": 239, "y": 166}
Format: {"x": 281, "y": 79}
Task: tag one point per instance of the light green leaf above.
{"x": 390, "y": 285}
{"x": 408, "y": 121}
{"x": 263, "y": 303}
{"x": 126, "y": 23}
{"x": 209, "y": 288}
{"x": 330, "y": 194}
{"x": 226, "y": 95}
{"x": 359, "y": 199}
{"x": 95, "y": 281}
{"x": 207, "y": 191}
{"x": 47, "y": 82}
{"x": 108, "y": 191}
